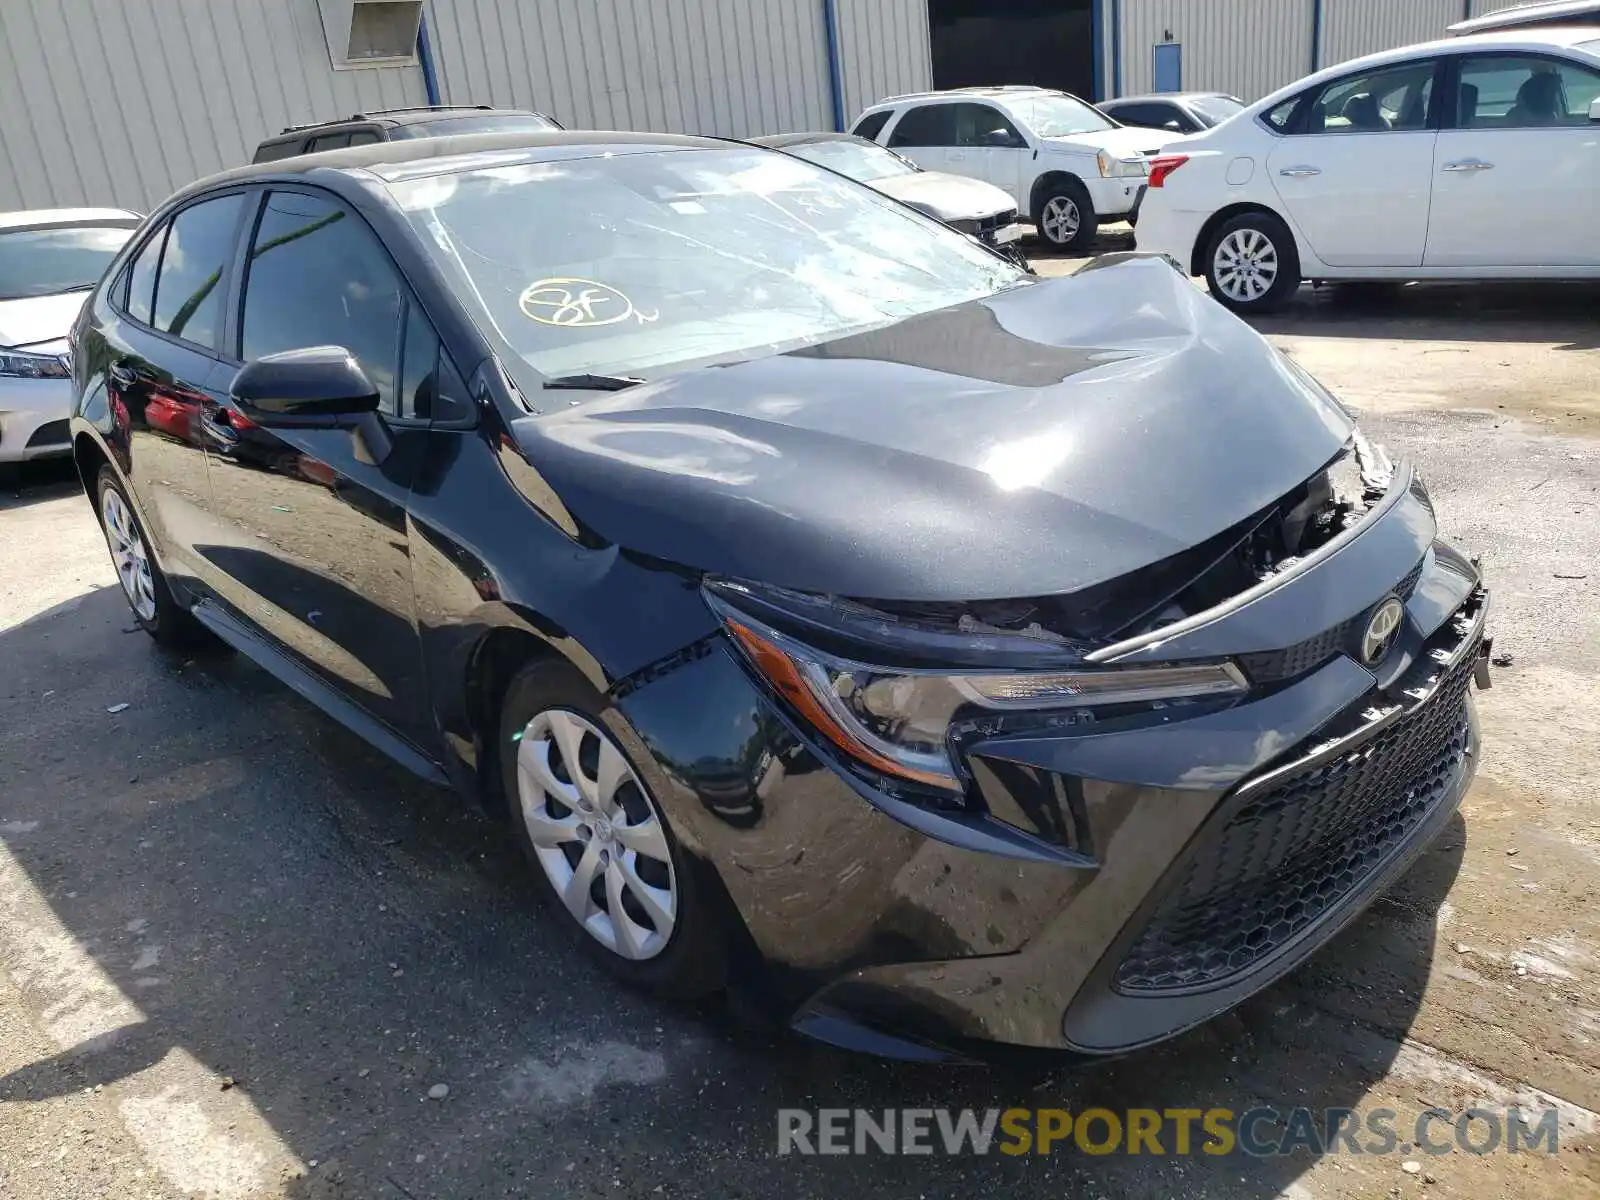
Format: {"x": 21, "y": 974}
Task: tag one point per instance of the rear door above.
{"x": 1356, "y": 173}
{"x": 309, "y": 535}
{"x": 1517, "y": 167}
{"x": 162, "y": 351}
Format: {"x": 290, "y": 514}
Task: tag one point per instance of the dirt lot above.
{"x": 237, "y": 949}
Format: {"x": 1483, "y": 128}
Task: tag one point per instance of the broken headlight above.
{"x": 896, "y": 720}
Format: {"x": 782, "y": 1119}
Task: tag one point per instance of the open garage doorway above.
{"x": 1047, "y": 42}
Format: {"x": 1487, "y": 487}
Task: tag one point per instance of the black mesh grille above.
{"x": 51, "y": 433}
{"x": 1273, "y": 666}
{"x": 1289, "y": 854}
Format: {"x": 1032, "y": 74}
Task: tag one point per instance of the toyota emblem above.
{"x": 1383, "y": 627}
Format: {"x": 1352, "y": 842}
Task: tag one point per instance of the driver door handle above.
{"x": 1469, "y": 164}
{"x": 1300, "y": 172}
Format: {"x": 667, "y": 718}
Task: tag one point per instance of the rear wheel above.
{"x": 582, "y": 792}
{"x": 143, "y": 584}
{"x": 1252, "y": 265}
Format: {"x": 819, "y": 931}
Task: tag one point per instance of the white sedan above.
{"x": 1472, "y": 158}
{"x": 49, "y": 259}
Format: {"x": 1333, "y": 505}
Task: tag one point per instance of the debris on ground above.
{"x": 116, "y": 708}
{"x": 438, "y": 1091}
{"x": 1502, "y": 660}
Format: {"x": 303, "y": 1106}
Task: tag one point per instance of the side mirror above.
{"x": 999, "y": 137}
{"x": 1594, "y": 109}
{"x": 318, "y": 386}
{"x": 1175, "y": 125}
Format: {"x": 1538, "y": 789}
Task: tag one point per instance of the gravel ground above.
{"x": 242, "y": 956}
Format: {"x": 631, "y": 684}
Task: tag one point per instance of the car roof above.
{"x": 1532, "y": 40}
{"x": 1548, "y": 10}
{"x": 779, "y": 140}
{"x": 412, "y": 158}
{"x": 995, "y": 92}
{"x": 35, "y": 217}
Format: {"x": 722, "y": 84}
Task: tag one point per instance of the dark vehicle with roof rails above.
{"x": 935, "y": 654}
{"x": 397, "y": 124}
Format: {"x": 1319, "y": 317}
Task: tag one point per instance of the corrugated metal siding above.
{"x": 121, "y": 102}
{"x": 1247, "y": 47}
{"x": 732, "y": 68}
{"x": 884, "y": 49}
{"x": 1351, "y": 28}
{"x": 1482, "y": 8}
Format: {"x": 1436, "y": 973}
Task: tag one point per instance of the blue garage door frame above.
{"x": 1168, "y": 73}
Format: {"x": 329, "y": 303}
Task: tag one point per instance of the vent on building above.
{"x": 368, "y": 33}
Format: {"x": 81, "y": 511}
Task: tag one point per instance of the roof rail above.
{"x": 1545, "y": 12}
{"x": 974, "y": 89}
{"x": 385, "y": 112}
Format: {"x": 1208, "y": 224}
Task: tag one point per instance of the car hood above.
{"x": 1124, "y": 142}
{"x": 948, "y": 197}
{"x": 1034, "y": 442}
{"x": 38, "y": 318}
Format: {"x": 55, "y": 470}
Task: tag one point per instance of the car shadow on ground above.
{"x": 298, "y": 915}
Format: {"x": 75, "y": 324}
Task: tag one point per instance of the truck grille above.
{"x": 1288, "y": 855}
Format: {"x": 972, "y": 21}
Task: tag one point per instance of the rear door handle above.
{"x": 1469, "y": 164}
{"x": 1300, "y": 172}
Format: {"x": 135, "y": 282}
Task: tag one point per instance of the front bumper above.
{"x": 33, "y": 418}
{"x": 1125, "y": 881}
{"x": 1114, "y": 199}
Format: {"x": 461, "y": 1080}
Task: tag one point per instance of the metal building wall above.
{"x": 884, "y": 50}
{"x": 121, "y": 102}
{"x": 731, "y": 68}
{"x": 1351, "y": 28}
{"x": 1247, "y": 47}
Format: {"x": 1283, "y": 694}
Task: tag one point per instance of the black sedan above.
{"x": 942, "y": 655}
{"x": 1177, "y": 112}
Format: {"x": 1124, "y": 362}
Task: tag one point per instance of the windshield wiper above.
{"x": 592, "y": 383}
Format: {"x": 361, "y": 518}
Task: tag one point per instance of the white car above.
{"x": 1066, "y": 164}
{"x": 1471, "y": 158}
{"x": 49, "y": 259}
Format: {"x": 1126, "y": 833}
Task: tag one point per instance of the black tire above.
{"x": 168, "y": 622}
{"x": 1269, "y": 241}
{"x": 10, "y": 477}
{"x": 1073, "y": 194}
{"x": 693, "y": 963}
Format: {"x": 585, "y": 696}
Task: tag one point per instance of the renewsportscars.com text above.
{"x": 1259, "y": 1132}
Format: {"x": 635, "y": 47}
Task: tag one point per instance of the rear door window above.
{"x": 928, "y": 125}
{"x": 142, "y": 277}
{"x": 329, "y": 141}
{"x": 1524, "y": 91}
{"x": 200, "y": 242}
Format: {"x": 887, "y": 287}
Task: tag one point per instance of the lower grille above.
{"x": 1286, "y": 856}
{"x": 51, "y": 433}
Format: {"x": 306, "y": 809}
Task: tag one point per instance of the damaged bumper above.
{"x": 1115, "y": 881}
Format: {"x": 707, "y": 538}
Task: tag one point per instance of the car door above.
{"x": 988, "y": 146}
{"x": 925, "y": 134}
{"x": 1517, "y": 167}
{"x": 162, "y": 352}
{"x": 309, "y": 535}
{"x": 1355, "y": 171}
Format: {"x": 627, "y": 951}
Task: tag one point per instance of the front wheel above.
{"x": 1067, "y": 220}
{"x": 582, "y": 791}
{"x": 1252, "y": 265}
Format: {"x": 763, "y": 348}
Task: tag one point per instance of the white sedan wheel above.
{"x": 1246, "y": 265}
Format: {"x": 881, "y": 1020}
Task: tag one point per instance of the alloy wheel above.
{"x": 1061, "y": 219}
{"x": 1246, "y": 265}
{"x": 597, "y": 834}
{"x": 128, "y": 554}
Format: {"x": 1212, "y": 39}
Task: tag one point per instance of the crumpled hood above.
{"x": 1034, "y": 442}
{"x": 1124, "y": 142}
{"x": 948, "y": 197}
{"x": 38, "y": 318}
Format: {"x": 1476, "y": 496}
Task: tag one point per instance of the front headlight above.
{"x": 18, "y": 364}
{"x": 1112, "y": 167}
{"x": 898, "y": 721}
